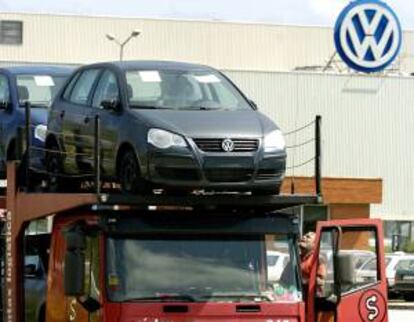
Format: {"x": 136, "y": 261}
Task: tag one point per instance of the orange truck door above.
{"x": 353, "y": 287}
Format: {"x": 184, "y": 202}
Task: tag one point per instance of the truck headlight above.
{"x": 163, "y": 139}
{"x": 274, "y": 141}
{"x": 40, "y": 132}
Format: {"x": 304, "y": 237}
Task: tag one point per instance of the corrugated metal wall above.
{"x": 235, "y": 46}
{"x": 368, "y": 127}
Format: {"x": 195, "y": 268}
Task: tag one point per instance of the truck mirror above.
{"x": 74, "y": 268}
{"x": 345, "y": 271}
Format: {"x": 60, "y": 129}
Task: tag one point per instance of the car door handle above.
{"x": 86, "y": 120}
{"x": 62, "y": 114}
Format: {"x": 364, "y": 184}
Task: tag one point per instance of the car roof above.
{"x": 38, "y": 69}
{"x": 155, "y": 64}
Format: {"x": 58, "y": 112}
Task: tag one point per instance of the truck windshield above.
{"x": 210, "y": 268}
{"x": 39, "y": 90}
{"x": 182, "y": 90}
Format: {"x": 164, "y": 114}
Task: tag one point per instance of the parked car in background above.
{"x": 404, "y": 279}
{"x": 164, "y": 125}
{"x": 276, "y": 263}
{"x": 358, "y": 257}
{"x": 18, "y": 85}
{"x": 369, "y": 269}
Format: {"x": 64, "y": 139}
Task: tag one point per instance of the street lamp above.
{"x": 121, "y": 45}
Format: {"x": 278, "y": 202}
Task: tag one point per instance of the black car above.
{"x": 404, "y": 279}
{"x": 164, "y": 125}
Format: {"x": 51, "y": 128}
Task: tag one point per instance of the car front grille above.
{"x": 268, "y": 174}
{"x": 178, "y": 174}
{"x": 228, "y": 175}
{"x": 214, "y": 145}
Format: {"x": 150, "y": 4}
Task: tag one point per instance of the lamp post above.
{"x": 122, "y": 44}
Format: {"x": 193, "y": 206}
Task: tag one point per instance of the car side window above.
{"x": 69, "y": 87}
{"x": 107, "y": 89}
{"x": 83, "y": 86}
{"x": 4, "y": 89}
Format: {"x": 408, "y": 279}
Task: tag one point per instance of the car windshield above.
{"x": 183, "y": 90}
{"x": 39, "y": 90}
{"x": 272, "y": 259}
{"x": 406, "y": 265}
{"x": 202, "y": 268}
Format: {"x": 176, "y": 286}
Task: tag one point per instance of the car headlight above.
{"x": 274, "y": 141}
{"x": 163, "y": 139}
{"x": 40, "y": 132}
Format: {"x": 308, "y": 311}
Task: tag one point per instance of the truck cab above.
{"x": 208, "y": 266}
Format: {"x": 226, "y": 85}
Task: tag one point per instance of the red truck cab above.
{"x": 154, "y": 266}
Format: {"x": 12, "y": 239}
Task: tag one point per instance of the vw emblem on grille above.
{"x": 368, "y": 35}
{"x": 227, "y": 145}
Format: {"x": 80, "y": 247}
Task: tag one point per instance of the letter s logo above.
{"x": 72, "y": 310}
{"x": 372, "y": 307}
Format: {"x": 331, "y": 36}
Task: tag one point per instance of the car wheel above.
{"x": 29, "y": 179}
{"x": 54, "y": 167}
{"x": 130, "y": 175}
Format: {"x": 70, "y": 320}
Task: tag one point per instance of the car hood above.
{"x": 209, "y": 123}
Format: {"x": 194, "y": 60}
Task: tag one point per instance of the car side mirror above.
{"x": 253, "y": 104}
{"x": 111, "y": 105}
{"x": 5, "y": 105}
{"x": 74, "y": 268}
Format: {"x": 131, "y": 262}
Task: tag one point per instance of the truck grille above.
{"x": 214, "y": 145}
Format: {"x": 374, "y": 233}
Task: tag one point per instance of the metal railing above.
{"x": 30, "y": 169}
{"x": 316, "y": 159}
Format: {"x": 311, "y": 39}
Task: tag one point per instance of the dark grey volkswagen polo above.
{"x": 169, "y": 125}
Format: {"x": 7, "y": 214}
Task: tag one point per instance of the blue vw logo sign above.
{"x": 368, "y": 35}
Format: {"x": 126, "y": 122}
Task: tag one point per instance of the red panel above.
{"x": 203, "y": 312}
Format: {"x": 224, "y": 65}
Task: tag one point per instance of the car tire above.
{"x": 129, "y": 175}
{"x": 54, "y": 168}
{"x": 34, "y": 180}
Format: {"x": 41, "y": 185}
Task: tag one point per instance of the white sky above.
{"x": 302, "y": 12}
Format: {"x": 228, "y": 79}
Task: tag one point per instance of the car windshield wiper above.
{"x": 165, "y": 298}
{"x": 34, "y": 105}
{"x": 201, "y": 108}
{"x": 144, "y": 107}
{"x": 239, "y": 297}
{"x": 149, "y": 107}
